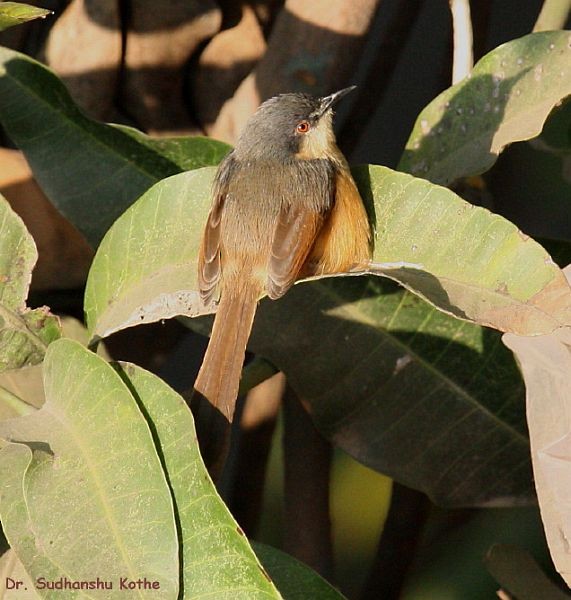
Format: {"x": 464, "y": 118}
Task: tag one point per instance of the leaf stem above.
{"x": 307, "y": 458}
{"x": 397, "y": 547}
{"x": 462, "y": 26}
{"x": 20, "y": 407}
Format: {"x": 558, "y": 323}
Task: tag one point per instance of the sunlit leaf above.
{"x": 82, "y": 491}
{"x": 11, "y": 572}
{"x": 24, "y": 333}
{"x": 507, "y": 98}
{"x": 15, "y": 13}
{"x": 217, "y": 559}
{"x": 463, "y": 259}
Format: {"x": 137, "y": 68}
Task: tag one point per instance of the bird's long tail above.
{"x": 218, "y": 380}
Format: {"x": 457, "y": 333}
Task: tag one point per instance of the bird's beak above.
{"x": 328, "y": 101}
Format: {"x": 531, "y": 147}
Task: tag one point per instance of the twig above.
{"x": 553, "y": 15}
{"x": 462, "y": 26}
{"x": 307, "y": 459}
{"x": 257, "y": 427}
{"x": 396, "y": 551}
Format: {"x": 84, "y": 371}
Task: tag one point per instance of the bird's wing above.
{"x": 209, "y": 254}
{"x": 294, "y": 236}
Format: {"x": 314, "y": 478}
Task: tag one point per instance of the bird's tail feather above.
{"x": 218, "y": 380}
{"x": 219, "y": 376}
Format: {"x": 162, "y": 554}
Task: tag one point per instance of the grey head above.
{"x": 290, "y": 126}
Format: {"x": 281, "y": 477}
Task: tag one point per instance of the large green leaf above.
{"x": 216, "y": 557}
{"x": 431, "y": 400}
{"x": 463, "y": 259}
{"x": 82, "y": 491}
{"x": 91, "y": 171}
{"x": 24, "y": 333}
{"x": 15, "y": 13}
{"x": 507, "y": 98}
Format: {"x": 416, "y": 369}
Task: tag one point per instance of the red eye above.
{"x": 303, "y": 127}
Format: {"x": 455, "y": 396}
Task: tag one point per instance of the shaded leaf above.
{"x": 517, "y": 573}
{"x": 82, "y": 492}
{"x": 91, "y": 171}
{"x": 463, "y": 259}
{"x": 15, "y": 13}
{"x": 433, "y": 402}
{"x": 216, "y": 556}
{"x": 507, "y": 98}
{"x": 546, "y": 365}
{"x": 295, "y": 580}
{"x": 531, "y": 182}
{"x": 24, "y": 333}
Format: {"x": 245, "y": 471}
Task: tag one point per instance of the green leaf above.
{"x": 15, "y": 13}
{"x": 90, "y": 171}
{"x": 507, "y": 98}
{"x": 216, "y": 556}
{"x": 295, "y": 580}
{"x": 431, "y": 401}
{"x": 519, "y": 575}
{"x": 401, "y": 386}
{"x": 82, "y": 491}
{"x": 145, "y": 268}
{"x": 463, "y": 259}
{"x": 24, "y": 333}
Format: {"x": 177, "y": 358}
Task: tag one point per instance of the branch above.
{"x": 553, "y": 15}
{"x": 314, "y": 47}
{"x": 402, "y": 531}
{"x": 307, "y": 458}
{"x": 257, "y": 425}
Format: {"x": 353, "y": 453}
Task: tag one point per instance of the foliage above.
{"x": 406, "y": 380}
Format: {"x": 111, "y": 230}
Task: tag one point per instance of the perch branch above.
{"x": 553, "y": 15}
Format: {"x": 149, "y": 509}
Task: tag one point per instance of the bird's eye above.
{"x": 303, "y": 127}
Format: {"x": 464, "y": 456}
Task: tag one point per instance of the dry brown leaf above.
{"x": 314, "y": 47}
{"x": 159, "y": 44}
{"x": 224, "y": 63}
{"x": 84, "y": 49}
{"x": 546, "y": 365}
{"x": 64, "y": 255}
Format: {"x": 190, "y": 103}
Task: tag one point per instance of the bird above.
{"x": 284, "y": 207}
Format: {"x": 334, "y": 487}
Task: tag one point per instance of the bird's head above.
{"x": 291, "y": 126}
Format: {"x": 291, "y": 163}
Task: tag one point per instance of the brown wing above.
{"x": 209, "y": 255}
{"x": 293, "y": 240}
